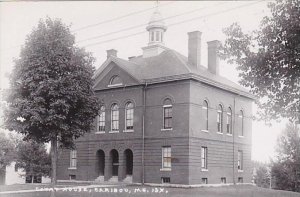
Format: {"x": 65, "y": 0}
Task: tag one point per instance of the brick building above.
{"x": 165, "y": 118}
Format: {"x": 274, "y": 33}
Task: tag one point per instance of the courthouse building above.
{"x": 165, "y": 118}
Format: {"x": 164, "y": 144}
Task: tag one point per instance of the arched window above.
{"x": 129, "y": 116}
{"x": 115, "y": 80}
{"x": 205, "y": 115}
{"x": 101, "y": 119}
{"x": 229, "y": 121}
{"x": 241, "y": 123}
{"x": 220, "y": 119}
{"x": 167, "y": 114}
{"x": 115, "y": 117}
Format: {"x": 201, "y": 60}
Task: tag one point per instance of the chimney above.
{"x": 213, "y": 57}
{"x": 111, "y": 52}
{"x": 194, "y": 48}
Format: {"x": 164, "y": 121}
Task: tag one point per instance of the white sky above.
{"x": 18, "y": 19}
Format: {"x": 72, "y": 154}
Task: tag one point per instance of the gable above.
{"x": 110, "y": 73}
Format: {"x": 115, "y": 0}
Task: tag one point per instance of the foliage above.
{"x": 51, "y": 95}
{"x": 286, "y": 169}
{"x": 269, "y": 59}
{"x": 262, "y": 177}
{"x": 51, "y": 87}
{"x": 33, "y": 158}
{"x": 7, "y": 150}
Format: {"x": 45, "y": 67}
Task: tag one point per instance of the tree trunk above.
{"x": 53, "y": 160}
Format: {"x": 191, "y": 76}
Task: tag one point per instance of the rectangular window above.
{"x": 219, "y": 121}
{"x": 129, "y": 119}
{"x": 240, "y": 160}
{"x": 166, "y": 157}
{"x": 101, "y": 123}
{"x": 167, "y": 117}
{"x": 240, "y": 180}
{"x": 204, "y": 181}
{"x": 165, "y": 180}
{"x": 204, "y": 157}
{"x": 205, "y": 115}
{"x": 229, "y": 123}
{"x": 157, "y": 35}
{"x": 115, "y": 120}
{"x": 223, "y": 180}
{"x": 73, "y": 159}
{"x": 72, "y": 177}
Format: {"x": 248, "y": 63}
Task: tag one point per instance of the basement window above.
{"x": 165, "y": 180}
{"x": 204, "y": 181}
{"x": 223, "y": 180}
{"x": 72, "y": 177}
{"x": 240, "y": 180}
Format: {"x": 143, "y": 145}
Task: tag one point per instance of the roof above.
{"x": 169, "y": 66}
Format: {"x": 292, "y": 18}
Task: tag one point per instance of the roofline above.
{"x": 201, "y": 79}
{"x": 186, "y": 77}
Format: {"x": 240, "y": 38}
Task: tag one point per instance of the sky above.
{"x": 103, "y": 25}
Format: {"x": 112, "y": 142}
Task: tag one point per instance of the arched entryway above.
{"x": 128, "y": 155}
{"x": 100, "y": 162}
{"x": 114, "y": 155}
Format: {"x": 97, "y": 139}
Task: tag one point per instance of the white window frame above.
{"x": 73, "y": 159}
{"x": 241, "y": 121}
{"x": 101, "y": 119}
{"x": 240, "y": 161}
{"x": 229, "y": 116}
{"x": 220, "y": 119}
{"x": 164, "y": 117}
{"x": 126, "y": 118}
{"x": 112, "y": 120}
{"x": 168, "y": 155}
{"x": 205, "y": 114}
{"x": 204, "y": 154}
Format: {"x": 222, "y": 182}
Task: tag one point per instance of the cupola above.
{"x": 156, "y": 28}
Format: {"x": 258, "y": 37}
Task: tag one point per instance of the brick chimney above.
{"x": 213, "y": 58}
{"x": 111, "y": 52}
{"x": 194, "y": 48}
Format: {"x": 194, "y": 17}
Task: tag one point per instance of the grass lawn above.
{"x": 129, "y": 191}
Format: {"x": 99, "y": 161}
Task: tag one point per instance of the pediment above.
{"x": 112, "y": 76}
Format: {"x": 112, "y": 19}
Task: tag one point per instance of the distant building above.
{"x": 17, "y": 176}
{"x": 165, "y": 118}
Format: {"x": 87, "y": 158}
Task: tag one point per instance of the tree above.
{"x": 262, "y": 177}
{"x": 33, "y": 158}
{"x": 286, "y": 168}
{"x": 7, "y": 153}
{"x": 51, "y": 97}
{"x": 269, "y": 59}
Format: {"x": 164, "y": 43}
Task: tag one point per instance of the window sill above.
{"x": 99, "y": 132}
{"x": 219, "y": 133}
{"x": 206, "y": 131}
{"x": 113, "y": 132}
{"x": 241, "y": 136}
{"x": 128, "y": 131}
{"x": 171, "y": 129}
{"x": 240, "y": 170}
{"x": 165, "y": 169}
{"x": 115, "y": 85}
{"x": 72, "y": 168}
{"x": 204, "y": 170}
{"x": 229, "y": 134}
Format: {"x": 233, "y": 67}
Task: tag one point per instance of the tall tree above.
{"x": 286, "y": 168}
{"x": 269, "y": 59}
{"x": 33, "y": 158}
{"x": 51, "y": 98}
